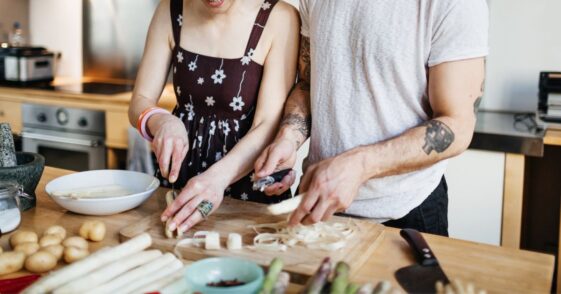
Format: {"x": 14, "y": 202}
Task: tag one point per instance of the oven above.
{"x": 68, "y": 138}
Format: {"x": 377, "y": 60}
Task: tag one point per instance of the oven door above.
{"x": 66, "y": 150}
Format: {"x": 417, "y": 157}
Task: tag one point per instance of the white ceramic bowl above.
{"x": 141, "y": 185}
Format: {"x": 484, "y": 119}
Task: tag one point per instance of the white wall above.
{"x": 10, "y": 12}
{"x": 57, "y": 25}
{"x": 525, "y": 38}
{"x": 475, "y": 192}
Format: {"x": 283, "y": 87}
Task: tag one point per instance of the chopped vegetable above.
{"x": 282, "y": 283}
{"x": 321, "y": 236}
{"x": 234, "y": 241}
{"x": 212, "y": 241}
{"x": 341, "y": 278}
{"x": 107, "y": 191}
{"x": 286, "y": 206}
{"x": 23, "y": 237}
{"x": 40, "y": 262}
{"x": 76, "y": 241}
{"x": 56, "y": 231}
{"x": 272, "y": 275}
{"x": 88, "y": 264}
{"x": 11, "y": 262}
{"x": 108, "y": 272}
{"x": 93, "y": 230}
{"x": 319, "y": 279}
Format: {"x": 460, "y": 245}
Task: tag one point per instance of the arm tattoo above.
{"x": 438, "y": 137}
{"x": 478, "y": 100}
{"x": 299, "y": 122}
{"x": 305, "y": 64}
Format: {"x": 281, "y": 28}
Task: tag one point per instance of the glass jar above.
{"x": 10, "y": 214}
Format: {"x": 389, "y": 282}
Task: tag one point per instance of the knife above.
{"x": 262, "y": 183}
{"x": 420, "y": 277}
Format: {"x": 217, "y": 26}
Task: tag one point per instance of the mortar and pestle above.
{"x": 23, "y": 168}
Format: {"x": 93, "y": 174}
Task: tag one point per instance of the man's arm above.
{"x": 454, "y": 90}
{"x": 294, "y": 129}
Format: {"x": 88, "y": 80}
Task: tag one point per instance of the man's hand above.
{"x": 330, "y": 186}
{"x": 280, "y": 155}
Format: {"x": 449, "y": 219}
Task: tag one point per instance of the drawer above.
{"x": 10, "y": 112}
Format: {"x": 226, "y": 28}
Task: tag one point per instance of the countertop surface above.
{"x": 496, "y": 269}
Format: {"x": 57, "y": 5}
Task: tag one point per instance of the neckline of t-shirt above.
{"x": 217, "y": 58}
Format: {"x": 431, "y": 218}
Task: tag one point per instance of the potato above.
{"x": 40, "y": 262}
{"x": 72, "y": 254}
{"x": 57, "y": 231}
{"x": 93, "y": 230}
{"x": 55, "y": 250}
{"x": 23, "y": 237}
{"x": 11, "y": 262}
{"x": 27, "y": 248}
{"x": 77, "y": 242}
{"x": 49, "y": 240}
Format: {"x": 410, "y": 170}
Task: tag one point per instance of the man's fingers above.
{"x": 329, "y": 213}
{"x": 165, "y": 156}
{"x": 306, "y": 179}
{"x": 318, "y": 212}
{"x": 273, "y": 190}
{"x": 308, "y": 203}
{"x": 282, "y": 186}
{"x": 177, "y": 160}
{"x": 185, "y": 212}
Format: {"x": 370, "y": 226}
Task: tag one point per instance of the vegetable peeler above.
{"x": 262, "y": 183}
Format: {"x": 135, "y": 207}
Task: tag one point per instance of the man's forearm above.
{"x": 297, "y": 120}
{"x": 418, "y": 148}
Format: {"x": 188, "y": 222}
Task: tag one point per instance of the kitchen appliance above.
{"x": 24, "y": 65}
{"x": 420, "y": 277}
{"x": 550, "y": 96}
{"x": 68, "y": 138}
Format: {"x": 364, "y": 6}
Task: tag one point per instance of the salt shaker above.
{"x": 10, "y": 214}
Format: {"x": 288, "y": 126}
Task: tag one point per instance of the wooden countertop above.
{"x": 552, "y": 137}
{"x": 496, "y": 269}
{"x": 117, "y": 102}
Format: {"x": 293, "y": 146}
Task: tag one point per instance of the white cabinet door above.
{"x": 475, "y": 191}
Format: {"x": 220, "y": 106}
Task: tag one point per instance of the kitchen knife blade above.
{"x": 420, "y": 277}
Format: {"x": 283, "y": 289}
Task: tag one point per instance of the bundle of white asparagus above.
{"x": 125, "y": 268}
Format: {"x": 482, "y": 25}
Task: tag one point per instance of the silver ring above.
{"x": 205, "y": 207}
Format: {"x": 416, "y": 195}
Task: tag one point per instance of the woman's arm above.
{"x": 170, "y": 142}
{"x": 278, "y": 78}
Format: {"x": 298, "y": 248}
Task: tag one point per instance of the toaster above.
{"x": 22, "y": 65}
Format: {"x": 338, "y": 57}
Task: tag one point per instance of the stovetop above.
{"x": 80, "y": 88}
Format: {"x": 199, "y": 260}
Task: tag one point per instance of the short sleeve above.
{"x": 305, "y": 17}
{"x": 460, "y": 31}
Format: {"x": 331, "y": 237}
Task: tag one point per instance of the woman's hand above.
{"x": 184, "y": 209}
{"x": 170, "y": 143}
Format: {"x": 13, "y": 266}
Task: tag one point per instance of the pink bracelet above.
{"x": 143, "y": 128}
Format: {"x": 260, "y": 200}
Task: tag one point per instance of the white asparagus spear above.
{"x": 108, "y": 272}
{"x": 134, "y": 275}
{"x": 162, "y": 283}
{"x": 286, "y": 206}
{"x": 146, "y": 280}
{"x": 88, "y": 264}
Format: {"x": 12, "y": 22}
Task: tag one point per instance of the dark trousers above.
{"x": 429, "y": 217}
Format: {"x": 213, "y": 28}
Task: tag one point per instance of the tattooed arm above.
{"x": 454, "y": 90}
{"x": 294, "y": 129}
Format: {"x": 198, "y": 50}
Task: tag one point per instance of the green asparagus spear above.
{"x": 282, "y": 283}
{"x": 341, "y": 279}
{"x": 318, "y": 280}
{"x": 272, "y": 275}
{"x": 352, "y": 288}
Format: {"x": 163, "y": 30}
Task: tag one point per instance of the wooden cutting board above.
{"x": 234, "y": 216}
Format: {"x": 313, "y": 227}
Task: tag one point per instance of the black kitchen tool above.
{"x": 420, "y": 277}
{"x": 262, "y": 183}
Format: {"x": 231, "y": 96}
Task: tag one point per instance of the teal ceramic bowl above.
{"x": 211, "y": 270}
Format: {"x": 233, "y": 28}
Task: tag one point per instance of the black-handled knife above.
{"x": 261, "y": 183}
{"x": 420, "y": 277}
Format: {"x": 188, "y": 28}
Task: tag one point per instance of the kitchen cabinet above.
{"x": 10, "y": 112}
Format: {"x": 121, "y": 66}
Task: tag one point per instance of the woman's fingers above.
{"x": 183, "y": 197}
{"x": 282, "y": 186}
{"x": 179, "y": 152}
{"x": 165, "y": 157}
{"x": 195, "y": 218}
{"x": 188, "y": 209}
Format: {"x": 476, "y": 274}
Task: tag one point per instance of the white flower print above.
{"x": 201, "y": 81}
{"x": 237, "y": 125}
{"x": 180, "y": 20}
{"x": 178, "y": 90}
{"x": 226, "y": 129}
{"x": 237, "y": 103}
{"x": 200, "y": 138}
{"x": 202, "y": 120}
{"x": 218, "y": 156}
{"x": 192, "y": 66}
{"x": 180, "y": 57}
{"x": 244, "y": 197}
{"x": 212, "y": 127}
{"x": 189, "y": 107}
{"x": 174, "y": 69}
{"x": 251, "y": 53}
{"x": 204, "y": 164}
{"x": 266, "y": 5}
{"x": 218, "y": 76}
{"x": 243, "y": 117}
{"x": 181, "y": 115}
{"x": 209, "y": 101}
{"x": 190, "y": 115}
{"x": 246, "y": 60}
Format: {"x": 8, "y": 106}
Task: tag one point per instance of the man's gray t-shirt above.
{"x": 370, "y": 63}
